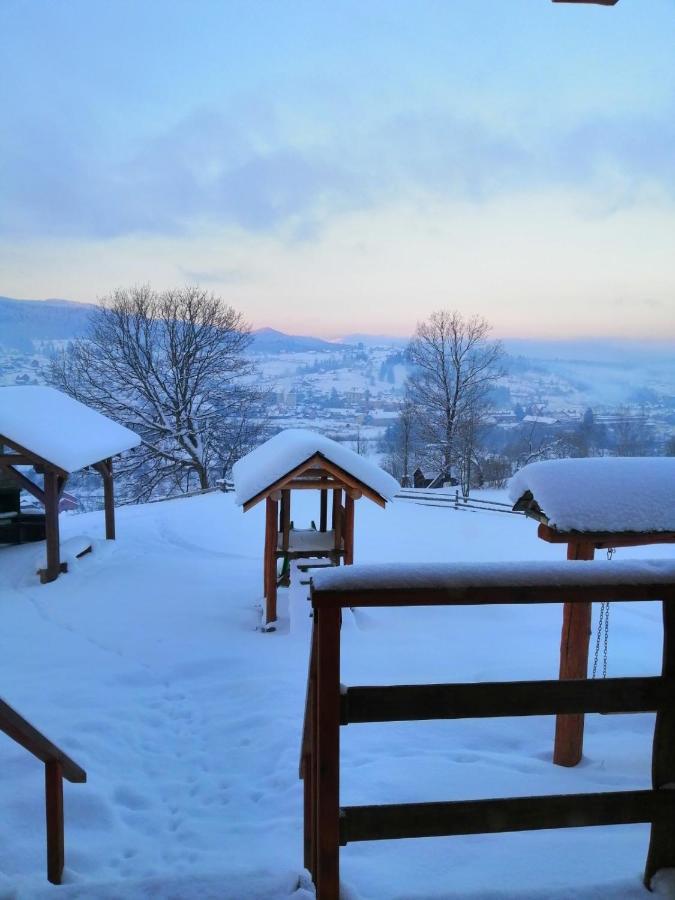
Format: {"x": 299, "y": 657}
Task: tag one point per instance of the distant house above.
{"x": 443, "y": 479}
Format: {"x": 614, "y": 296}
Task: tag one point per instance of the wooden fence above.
{"x": 442, "y": 498}
{"x": 57, "y": 767}
{"x": 330, "y": 705}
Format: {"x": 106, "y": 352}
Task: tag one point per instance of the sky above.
{"x": 336, "y": 167}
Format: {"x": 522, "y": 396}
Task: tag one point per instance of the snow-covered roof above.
{"x": 601, "y": 494}
{"x": 278, "y": 456}
{"x": 61, "y": 430}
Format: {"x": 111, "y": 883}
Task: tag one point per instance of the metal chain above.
{"x": 603, "y": 620}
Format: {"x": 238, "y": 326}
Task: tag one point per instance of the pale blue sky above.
{"x": 341, "y": 166}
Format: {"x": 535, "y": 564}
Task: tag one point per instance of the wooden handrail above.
{"x": 331, "y": 705}
{"x": 58, "y": 765}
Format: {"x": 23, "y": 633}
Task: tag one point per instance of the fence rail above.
{"x": 330, "y": 705}
{"x": 427, "y": 497}
{"x": 58, "y": 766}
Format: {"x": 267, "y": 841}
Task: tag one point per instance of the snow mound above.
{"x": 601, "y": 494}
{"x": 61, "y": 430}
{"x": 277, "y": 457}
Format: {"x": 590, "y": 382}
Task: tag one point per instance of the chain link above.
{"x": 603, "y": 621}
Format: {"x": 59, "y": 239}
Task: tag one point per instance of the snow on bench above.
{"x": 601, "y": 494}
{"x": 449, "y": 576}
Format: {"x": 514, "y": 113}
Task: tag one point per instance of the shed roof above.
{"x": 281, "y": 454}
{"x": 600, "y": 494}
{"x": 61, "y": 430}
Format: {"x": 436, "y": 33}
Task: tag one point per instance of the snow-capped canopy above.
{"x": 601, "y": 494}
{"x": 61, "y": 430}
{"x": 283, "y": 453}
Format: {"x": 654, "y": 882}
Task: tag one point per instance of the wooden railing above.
{"x": 57, "y": 767}
{"x": 331, "y": 705}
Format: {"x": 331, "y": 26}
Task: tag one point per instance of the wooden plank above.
{"x": 575, "y": 635}
{"x": 328, "y": 754}
{"x": 318, "y": 484}
{"x": 417, "y": 702}
{"x": 416, "y": 820}
{"x": 482, "y": 595}
{"x": 25, "y": 734}
{"x": 661, "y": 852}
{"x": 602, "y": 540}
{"x": 54, "y": 812}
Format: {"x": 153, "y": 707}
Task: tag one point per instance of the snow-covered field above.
{"x": 145, "y": 665}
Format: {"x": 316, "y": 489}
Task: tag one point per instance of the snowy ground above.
{"x": 144, "y": 664}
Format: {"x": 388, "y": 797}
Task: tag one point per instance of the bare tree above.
{"x": 172, "y": 367}
{"x": 401, "y": 456}
{"x": 454, "y": 367}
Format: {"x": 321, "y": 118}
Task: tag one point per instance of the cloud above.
{"x": 216, "y": 276}
{"x": 251, "y": 172}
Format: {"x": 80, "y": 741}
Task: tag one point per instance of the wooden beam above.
{"x": 285, "y": 519}
{"x": 105, "y": 469}
{"x": 574, "y": 642}
{"x": 22, "y": 732}
{"x": 51, "y": 572}
{"x": 596, "y": 2}
{"x": 602, "y": 540}
{"x": 15, "y": 459}
{"x": 661, "y": 854}
{"x": 414, "y": 820}
{"x": 319, "y": 484}
{"x": 36, "y": 460}
{"x": 349, "y": 529}
{"x": 328, "y": 755}
{"x": 272, "y": 519}
{"x": 417, "y": 702}
{"x": 54, "y": 811}
{"x": 26, "y": 484}
{"x": 323, "y": 509}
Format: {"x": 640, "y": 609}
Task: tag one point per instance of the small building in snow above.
{"x": 299, "y": 459}
{"x": 56, "y": 435}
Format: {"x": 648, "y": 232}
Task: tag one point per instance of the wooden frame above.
{"x": 315, "y": 473}
{"x": 55, "y": 479}
{"x": 57, "y": 767}
{"x": 330, "y": 705}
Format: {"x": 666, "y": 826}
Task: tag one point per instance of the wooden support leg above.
{"x": 349, "y": 529}
{"x": 328, "y": 755}
{"x": 661, "y": 853}
{"x": 51, "y": 493}
{"x": 574, "y": 641}
{"x": 109, "y": 500}
{"x": 54, "y": 806}
{"x": 272, "y": 507}
{"x": 323, "y": 511}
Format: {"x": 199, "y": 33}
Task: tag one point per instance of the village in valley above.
{"x": 337, "y": 450}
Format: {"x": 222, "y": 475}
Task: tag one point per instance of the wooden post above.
{"x": 51, "y": 494}
{"x": 349, "y": 529}
{"x": 271, "y": 536}
{"x": 661, "y": 852}
{"x": 323, "y": 511}
{"x": 54, "y": 808}
{"x": 327, "y": 621}
{"x": 285, "y": 518}
{"x": 337, "y": 521}
{"x": 108, "y": 499}
{"x": 574, "y": 640}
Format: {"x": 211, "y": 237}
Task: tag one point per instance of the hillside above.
{"x": 145, "y": 665}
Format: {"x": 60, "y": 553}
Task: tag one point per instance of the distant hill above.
{"x": 24, "y": 321}
{"x": 269, "y": 340}
{"x": 375, "y": 340}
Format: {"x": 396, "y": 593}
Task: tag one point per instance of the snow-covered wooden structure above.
{"x": 56, "y": 435}
{"x": 593, "y": 504}
{"x": 299, "y": 459}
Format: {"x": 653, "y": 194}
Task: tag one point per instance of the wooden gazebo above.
{"x": 56, "y": 435}
{"x": 593, "y": 504}
{"x": 298, "y": 459}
